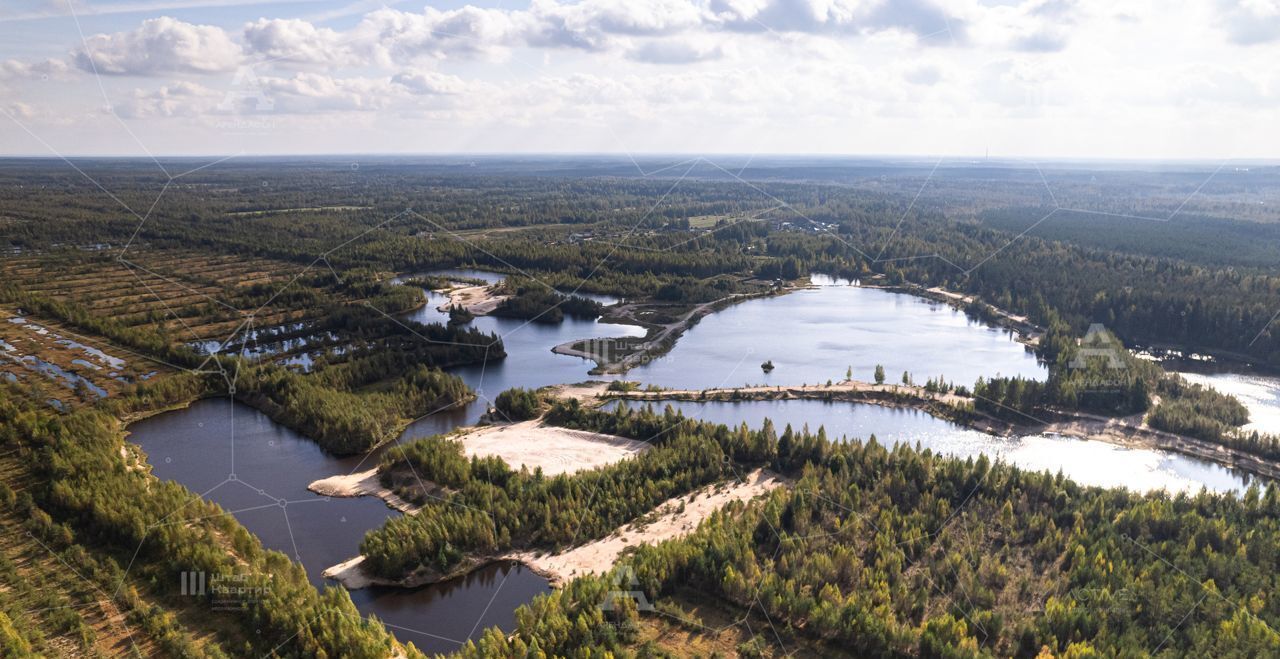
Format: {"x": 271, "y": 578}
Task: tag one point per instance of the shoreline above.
{"x": 946, "y": 406}
{"x": 1025, "y": 331}
{"x": 1074, "y": 424}
{"x": 661, "y": 338}
{"x": 673, "y": 518}
{"x": 478, "y": 300}
{"x": 360, "y": 484}
{"x": 658, "y": 339}
{"x": 1121, "y": 433}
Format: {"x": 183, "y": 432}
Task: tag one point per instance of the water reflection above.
{"x": 1259, "y": 393}
{"x": 237, "y": 457}
{"x": 1087, "y": 462}
{"x": 814, "y": 335}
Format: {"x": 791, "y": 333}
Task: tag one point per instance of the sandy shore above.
{"x": 479, "y": 300}
{"x": 359, "y": 484}
{"x": 350, "y": 574}
{"x": 555, "y": 450}
{"x": 791, "y": 391}
{"x": 674, "y": 518}
{"x": 1132, "y": 432}
{"x": 586, "y": 393}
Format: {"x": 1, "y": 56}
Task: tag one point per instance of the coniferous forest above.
{"x": 865, "y": 549}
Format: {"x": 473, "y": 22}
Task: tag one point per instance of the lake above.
{"x": 1087, "y": 462}
{"x": 1259, "y": 393}
{"x": 816, "y": 334}
{"x": 237, "y": 457}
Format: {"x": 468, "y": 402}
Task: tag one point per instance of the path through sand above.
{"x": 672, "y": 521}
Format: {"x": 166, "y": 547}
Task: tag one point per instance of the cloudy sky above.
{"x": 1022, "y": 78}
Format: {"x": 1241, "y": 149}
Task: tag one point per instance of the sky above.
{"x": 1145, "y": 79}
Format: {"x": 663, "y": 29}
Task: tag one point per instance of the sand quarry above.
{"x": 479, "y": 300}
{"x": 554, "y": 450}
{"x": 674, "y": 518}
{"x": 528, "y": 443}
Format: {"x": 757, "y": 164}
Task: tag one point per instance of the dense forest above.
{"x": 492, "y": 508}
{"x": 518, "y": 404}
{"x": 342, "y": 421}
{"x": 535, "y": 301}
{"x": 79, "y": 491}
{"x": 1096, "y": 374}
{"x": 595, "y": 235}
{"x": 901, "y": 552}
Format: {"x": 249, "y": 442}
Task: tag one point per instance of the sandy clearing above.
{"x": 358, "y": 484}
{"x": 479, "y": 300}
{"x": 672, "y": 522}
{"x": 350, "y": 574}
{"x": 583, "y": 392}
{"x": 845, "y": 386}
{"x": 556, "y": 450}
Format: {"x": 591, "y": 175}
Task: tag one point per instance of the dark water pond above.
{"x": 258, "y": 470}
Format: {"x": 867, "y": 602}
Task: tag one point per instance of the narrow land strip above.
{"x": 676, "y": 517}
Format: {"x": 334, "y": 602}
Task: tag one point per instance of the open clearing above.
{"x": 674, "y": 518}
{"x": 479, "y": 300}
{"x": 552, "y": 449}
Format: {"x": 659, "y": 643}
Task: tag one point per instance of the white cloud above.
{"x": 160, "y": 46}
{"x": 1251, "y": 22}
{"x": 661, "y": 31}
{"x": 1033, "y": 26}
{"x": 296, "y": 41}
{"x": 12, "y": 69}
{"x": 21, "y": 111}
{"x": 922, "y": 18}
{"x": 182, "y": 99}
{"x": 429, "y": 83}
{"x": 314, "y": 92}
{"x": 392, "y": 36}
{"x": 794, "y": 75}
{"x": 675, "y": 51}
